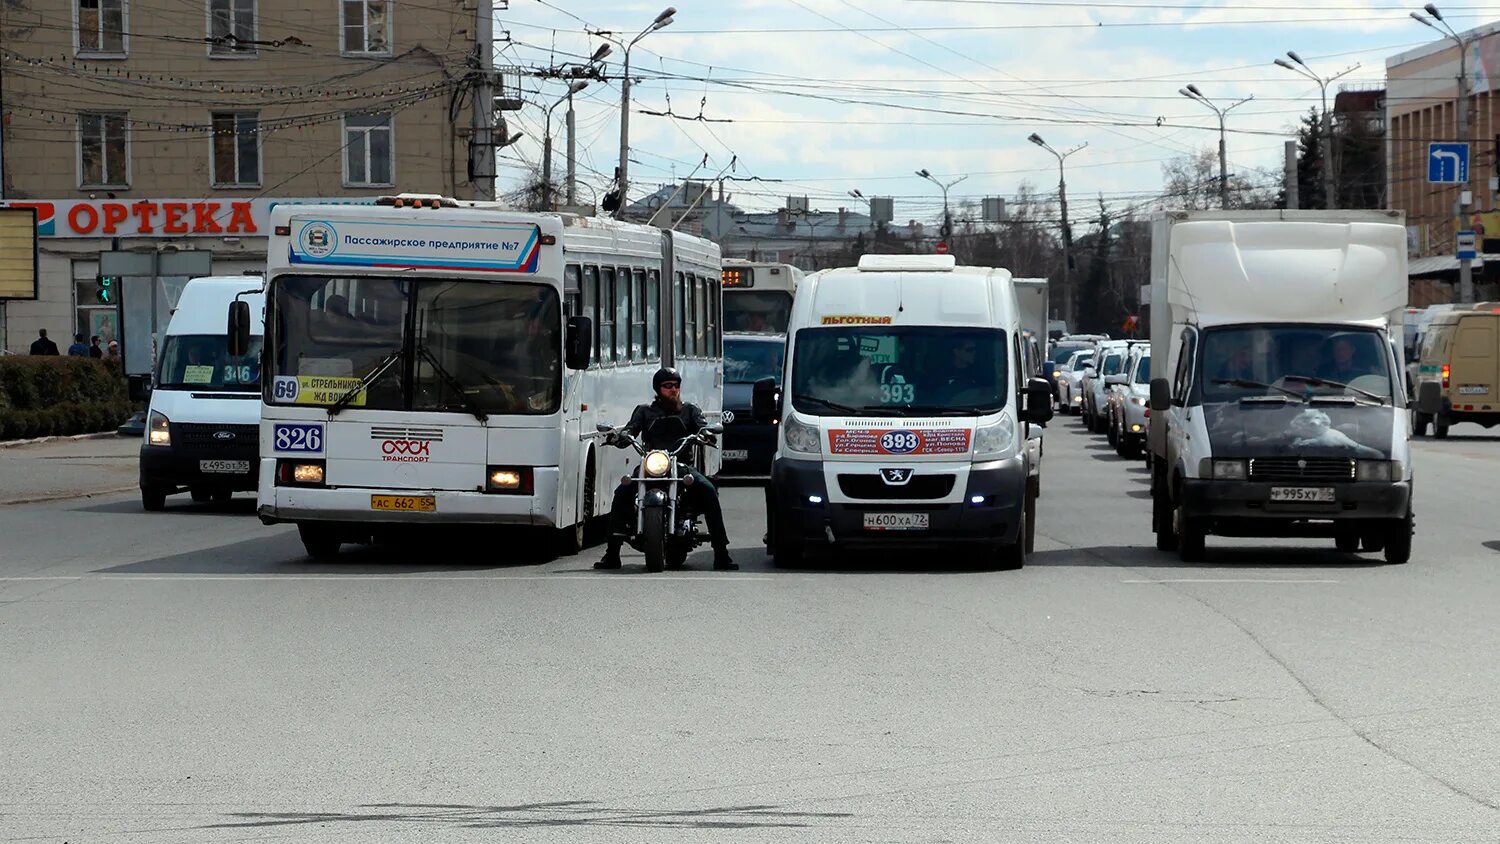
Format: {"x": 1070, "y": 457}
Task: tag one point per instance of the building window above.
{"x": 103, "y": 150}
{"x": 231, "y": 28}
{"x": 368, "y": 150}
{"x": 236, "y": 149}
{"x": 367, "y": 26}
{"x": 101, "y": 28}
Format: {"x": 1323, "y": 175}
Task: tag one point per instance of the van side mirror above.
{"x": 1114, "y": 380}
{"x": 578, "y": 344}
{"x": 763, "y": 401}
{"x": 1090, "y": 372}
{"x": 1161, "y": 395}
{"x": 1038, "y": 394}
{"x": 238, "y": 334}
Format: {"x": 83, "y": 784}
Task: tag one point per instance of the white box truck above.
{"x": 1280, "y": 408}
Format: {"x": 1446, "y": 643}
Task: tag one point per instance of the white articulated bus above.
{"x": 432, "y": 361}
{"x": 758, "y": 296}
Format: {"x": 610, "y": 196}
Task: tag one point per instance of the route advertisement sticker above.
{"x": 314, "y": 389}
{"x": 901, "y": 441}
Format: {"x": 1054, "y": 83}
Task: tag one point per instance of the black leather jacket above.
{"x": 643, "y": 424}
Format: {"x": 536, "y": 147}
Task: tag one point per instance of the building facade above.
{"x": 173, "y": 128}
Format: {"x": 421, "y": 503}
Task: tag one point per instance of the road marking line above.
{"x": 1223, "y": 580}
{"x": 354, "y": 576}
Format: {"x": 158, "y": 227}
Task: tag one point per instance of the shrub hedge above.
{"x": 60, "y": 396}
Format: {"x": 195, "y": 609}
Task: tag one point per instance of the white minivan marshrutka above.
{"x": 431, "y": 361}
{"x": 904, "y": 413}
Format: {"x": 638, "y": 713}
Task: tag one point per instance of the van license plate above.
{"x": 895, "y": 521}
{"x": 736, "y": 454}
{"x": 404, "y": 503}
{"x": 1322, "y": 495}
{"x": 224, "y": 467}
{"x": 1473, "y": 390}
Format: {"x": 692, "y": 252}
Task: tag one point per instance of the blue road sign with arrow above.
{"x": 1448, "y": 163}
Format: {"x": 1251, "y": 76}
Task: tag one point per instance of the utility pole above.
{"x": 484, "y": 101}
{"x": 573, "y": 88}
{"x": 572, "y": 196}
{"x": 1466, "y": 132}
{"x": 1330, "y": 183}
{"x": 1289, "y": 175}
{"x": 662, "y": 20}
{"x": 1192, "y": 93}
{"x": 1069, "y": 300}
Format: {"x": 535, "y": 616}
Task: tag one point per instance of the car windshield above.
{"x": 1062, "y": 351}
{"x": 1082, "y": 362}
{"x": 748, "y": 361}
{"x": 757, "y": 311}
{"x": 202, "y": 362}
{"x": 1143, "y": 372}
{"x": 915, "y": 371}
{"x": 1311, "y": 360}
{"x": 437, "y": 344}
{"x": 1112, "y": 363}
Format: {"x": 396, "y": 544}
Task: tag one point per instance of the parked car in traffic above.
{"x": 1109, "y": 359}
{"x": 1069, "y": 378}
{"x": 1128, "y": 413}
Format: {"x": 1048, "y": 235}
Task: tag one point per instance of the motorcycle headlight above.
{"x": 158, "y": 431}
{"x": 1376, "y": 470}
{"x": 657, "y": 463}
{"x": 801, "y": 437}
{"x": 995, "y": 440}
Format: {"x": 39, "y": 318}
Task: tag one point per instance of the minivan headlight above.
{"x": 1229, "y": 470}
{"x": 801, "y": 437}
{"x": 995, "y": 440}
{"x": 1376, "y": 470}
{"x": 158, "y": 429}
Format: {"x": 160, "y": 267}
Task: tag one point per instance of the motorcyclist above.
{"x": 700, "y": 494}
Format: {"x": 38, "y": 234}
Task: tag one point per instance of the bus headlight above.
{"x": 158, "y": 430}
{"x": 801, "y": 437}
{"x": 656, "y": 464}
{"x": 995, "y": 440}
{"x": 516, "y": 479}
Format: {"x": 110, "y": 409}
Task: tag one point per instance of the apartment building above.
{"x": 170, "y": 127}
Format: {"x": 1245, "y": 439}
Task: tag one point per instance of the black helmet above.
{"x": 666, "y": 373}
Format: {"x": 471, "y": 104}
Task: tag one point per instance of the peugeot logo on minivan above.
{"x": 895, "y": 477}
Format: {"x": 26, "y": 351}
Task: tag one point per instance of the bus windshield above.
{"x": 748, "y": 361}
{"x": 437, "y": 344}
{"x": 201, "y": 362}
{"x": 757, "y": 311}
{"x": 908, "y": 371}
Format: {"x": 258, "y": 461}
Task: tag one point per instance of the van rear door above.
{"x": 1475, "y": 361}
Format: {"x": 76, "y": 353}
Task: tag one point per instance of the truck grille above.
{"x": 1301, "y": 469}
{"x": 873, "y": 488}
{"x": 209, "y": 437}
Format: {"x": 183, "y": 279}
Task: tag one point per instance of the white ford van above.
{"x": 203, "y": 428}
{"x": 904, "y": 413}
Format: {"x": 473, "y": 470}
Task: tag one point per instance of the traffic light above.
{"x": 108, "y": 291}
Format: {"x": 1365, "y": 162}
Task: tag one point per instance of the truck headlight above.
{"x": 656, "y": 464}
{"x": 995, "y": 440}
{"x": 1376, "y": 470}
{"x": 158, "y": 429}
{"x": 801, "y": 437}
{"x": 1229, "y": 470}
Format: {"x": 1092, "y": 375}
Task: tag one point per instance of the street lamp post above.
{"x": 572, "y": 191}
{"x": 1192, "y": 93}
{"x": 1298, "y": 66}
{"x": 1067, "y": 233}
{"x": 947, "y": 230}
{"x": 662, "y": 20}
{"x": 573, "y": 88}
{"x": 1465, "y": 130}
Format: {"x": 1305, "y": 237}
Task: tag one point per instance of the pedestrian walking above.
{"x": 42, "y": 346}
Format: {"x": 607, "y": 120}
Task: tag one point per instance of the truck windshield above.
{"x": 202, "y": 362}
{"x": 908, "y": 371}
{"x": 437, "y": 344}
{"x": 1312, "y": 360}
{"x": 757, "y": 311}
{"x": 748, "y": 361}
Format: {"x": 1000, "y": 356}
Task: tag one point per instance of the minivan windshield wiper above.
{"x": 1324, "y": 382}
{"x": 380, "y": 369}
{"x": 831, "y": 405}
{"x": 1258, "y": 385}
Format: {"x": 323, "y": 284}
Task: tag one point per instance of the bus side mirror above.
{"x": 239, "y": 328}
{"x": 763, "y": 401}
{"x": 579, "y": 344}
{"x": 1161, "y": 395}
{"x": 1038, "y": 401}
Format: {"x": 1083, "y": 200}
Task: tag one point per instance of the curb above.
{"x": 40, "y": 440}
{"x": 65, "y": 496}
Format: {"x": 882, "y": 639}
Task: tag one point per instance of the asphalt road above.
{"x": 190, "y": 676}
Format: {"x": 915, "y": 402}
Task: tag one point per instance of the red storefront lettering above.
{"x": 76, "y": 215}
{"x": 174, "y": 224}
{"x": 240, "y": 220}
{"x": 203, "y": 218}
{"x": 114, "y": 214}
{"x": 144, "y": 212}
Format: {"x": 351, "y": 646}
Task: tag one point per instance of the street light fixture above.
{"x": 1300, "y": 67}
{"x": 662, "y": 21}
{"x": 1465, "y": 130}
{"x": 1197, "y": 96}
{"x": 573, "y": 88}
{"x": 947, "y": 230}
{"x": 1067, "y": 233}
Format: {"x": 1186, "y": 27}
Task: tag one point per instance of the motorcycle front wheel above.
{"x": 654, "y": 537}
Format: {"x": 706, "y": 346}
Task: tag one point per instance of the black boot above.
{"x": 722, "y": 561}
{"x": 611, "y": 557}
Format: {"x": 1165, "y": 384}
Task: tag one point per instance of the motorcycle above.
{"x": 666, "y": 527}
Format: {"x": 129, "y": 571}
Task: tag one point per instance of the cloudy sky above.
{"x": 821, "y": 97}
